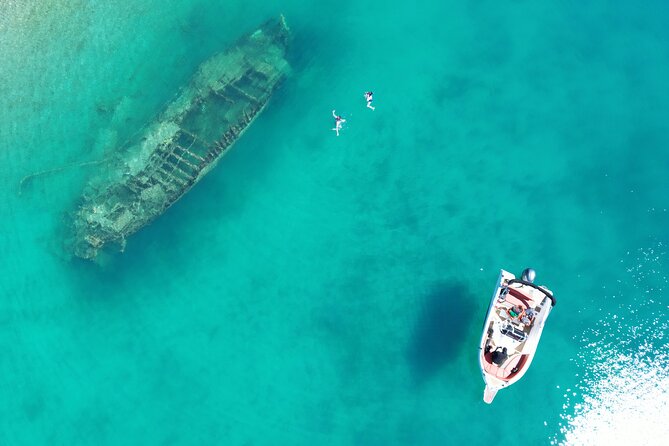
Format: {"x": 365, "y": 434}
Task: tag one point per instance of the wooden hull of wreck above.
{"x": 225, "y": 95}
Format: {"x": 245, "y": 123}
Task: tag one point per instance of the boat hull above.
{"x": 508, "y": 342}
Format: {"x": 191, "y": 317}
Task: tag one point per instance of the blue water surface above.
{"x": 316, "y": 289}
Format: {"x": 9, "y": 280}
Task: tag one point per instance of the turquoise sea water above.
{"x": 323, "y": 290}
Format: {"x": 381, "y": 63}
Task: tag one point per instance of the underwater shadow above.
{"x": 441, "y": 327}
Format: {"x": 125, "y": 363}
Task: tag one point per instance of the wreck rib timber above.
{"x": 224, "y": 97}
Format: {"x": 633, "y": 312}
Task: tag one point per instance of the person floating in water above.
{"x": 369, "y": 97}
{"x": 338, "y": 122}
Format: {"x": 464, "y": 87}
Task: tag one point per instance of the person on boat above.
{"x": 369, "y": 97}
{"x": 338, "y": 122}
{"x": 515, "y": 311}
{"x": 499, "y": 356}
{"x": 503, "y": 293}
{"x": 527, "y": 316}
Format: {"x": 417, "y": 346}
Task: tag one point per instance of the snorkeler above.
{"x": 338, "y": 122}
{"x": 369, "y": 97}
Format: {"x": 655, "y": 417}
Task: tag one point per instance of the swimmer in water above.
{"x": 369, "y": 97}
{"x": 338, "y": 122}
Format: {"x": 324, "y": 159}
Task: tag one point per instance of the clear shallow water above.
{"x": 323, "y": 290}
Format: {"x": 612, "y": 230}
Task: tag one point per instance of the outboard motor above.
{"x": 528, "y": 275}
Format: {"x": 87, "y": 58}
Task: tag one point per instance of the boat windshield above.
{"x": 514, "y": 333}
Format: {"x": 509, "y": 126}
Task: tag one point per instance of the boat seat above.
{"x": 490, "y": 366}
{"x": 504, "y": 371}
{"x": 515, "y": 297}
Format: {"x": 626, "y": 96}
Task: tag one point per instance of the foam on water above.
{"x": 623, "y": 396}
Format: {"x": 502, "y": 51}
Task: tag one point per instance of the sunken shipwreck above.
{"x": 172, "y": 153}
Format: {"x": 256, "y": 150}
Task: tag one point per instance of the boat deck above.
{"x": 508, "y": 332}
{"x": 508, "y": 344}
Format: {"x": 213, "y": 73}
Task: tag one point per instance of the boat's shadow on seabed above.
{"x": 441, "y": 326}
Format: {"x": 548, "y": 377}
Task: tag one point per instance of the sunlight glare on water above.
{"x": 625, "y": 387}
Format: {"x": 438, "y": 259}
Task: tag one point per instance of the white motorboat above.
{"x": 516, "y": 316}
